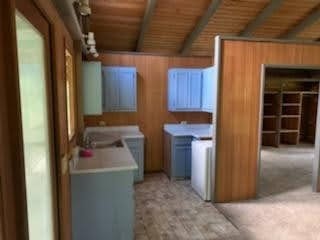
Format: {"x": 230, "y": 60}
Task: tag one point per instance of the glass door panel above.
{"x": 35, "y": 123}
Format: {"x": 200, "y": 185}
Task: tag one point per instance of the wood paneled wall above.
{"x": 239, "y": 104}
{"x": 152, "y": 111}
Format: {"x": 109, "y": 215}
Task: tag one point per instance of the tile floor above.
{"x": 172, "y": 210}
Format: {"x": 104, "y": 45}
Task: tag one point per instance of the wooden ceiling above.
{"x": 188, "y": 27}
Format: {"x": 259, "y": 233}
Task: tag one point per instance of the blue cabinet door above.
{"x": 185, "y": 89}
{"x": 195, "y": 86}
{"x": 136, "y": 147}
{"x": 92, "y": 88}
{"x": 182, "y": 90}
{"x": 179, "y": 167}
{"x": 127, "y": 89}
{"x": 188, "y": 162}
{"x": 208, "y": 89}
{"x": 181, "y": 157}
{"x": 120, "y": 90}
{"x": 111, "y": 88}
{"x": 136, "y": 155}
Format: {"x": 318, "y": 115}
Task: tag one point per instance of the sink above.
{"x": 116, "y": 144}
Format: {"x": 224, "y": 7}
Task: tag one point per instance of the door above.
{"x": 32, "y": 32}
{"x": 180, "y": 161}
{"x": 182, "y": 89}
{"x": 195, "y": 89}
{"x": 127, "y": 89}
{"x": 111, "y": 92}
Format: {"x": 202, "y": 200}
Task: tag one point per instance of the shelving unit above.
{"x": 282, "y": 117}
{"x": 270, "y": 135}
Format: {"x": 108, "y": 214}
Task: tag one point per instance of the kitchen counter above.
{"x": 105, "y": 160}
{"x": 110, "y": 158}
{"x": 200, "y": 131}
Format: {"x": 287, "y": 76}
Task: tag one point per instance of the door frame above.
{"x": 32, "y": 12}
{"x": 316, "y": 161}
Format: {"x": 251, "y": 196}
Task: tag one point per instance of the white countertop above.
{"x": 111, "y": 158}
{"x": 195, "y": 130}
{"x": 130, "y": 131}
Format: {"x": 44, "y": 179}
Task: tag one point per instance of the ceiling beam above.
{"x": 306, "y": 22}
{"x": 267, "y": 11}
{"x": 200, "y": 26}
{"x": 151, "y": 5}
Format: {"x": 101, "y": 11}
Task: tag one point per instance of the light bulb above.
{"x": 90, "y": 35}
{"x": 92, "y": 49}
{"x": 91, "y": 42}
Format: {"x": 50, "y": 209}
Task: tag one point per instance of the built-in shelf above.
{"x": 269, "y": 131}
{"x": 299, "y": 92}
{"x": 289, "y": 131}
{"x": 282, "y": 116}
{"x": 290, "y": 104}
{"x": 270, "y": 116}
{"x": 290, "y": 116}
{"x": 271, "y": 92}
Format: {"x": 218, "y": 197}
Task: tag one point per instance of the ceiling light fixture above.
{"x": 84, "y": 8}
{"x": 91, "y": 40}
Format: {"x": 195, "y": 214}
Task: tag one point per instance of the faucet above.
{"x": 87, "y": 142}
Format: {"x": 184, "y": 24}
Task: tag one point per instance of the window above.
{"x": 70, "y": 88}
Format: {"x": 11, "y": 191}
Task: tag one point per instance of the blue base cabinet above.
{"x": 136, "y": 146}
{"x": 177, "y": 156}
{"x": 102, "y": 205}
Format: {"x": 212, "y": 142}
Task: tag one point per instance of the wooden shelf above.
{"x": 269, "y": 131}
{"x": 299, "y": 92}
{"x": 270, "y": 116}
{"x": 271, "y": 92}
{"x": 291, "y": 104}
{"x": 290, "y": 116}
{"x": 267, "y": 104}
{"x": 289, "y": 131}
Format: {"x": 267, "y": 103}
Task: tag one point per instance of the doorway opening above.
{"x": 288, "y": 156}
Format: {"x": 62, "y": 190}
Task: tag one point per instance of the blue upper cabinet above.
{"x": 120, "y": 89}
{"x": 92, "y": 85}
{"x": 184, "y": 89}
{"x": 209, "y": 89}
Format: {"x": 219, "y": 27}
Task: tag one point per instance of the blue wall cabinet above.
{"x": 120, "y": 89}
{"x": 92, "y": 88}
{"x": 209, "y": 89}
{"x": 177, "y": 156}
{"x": 136, "y": 146}
{"x": 184, "y": 89}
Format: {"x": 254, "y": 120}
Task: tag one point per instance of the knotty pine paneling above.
{"x": 152, "y": 100}
{"x": 290, "y": 13}
{"x": 117, "y": 24}
{"x": 230, "y": 19}
{"x": 238, "y": 117}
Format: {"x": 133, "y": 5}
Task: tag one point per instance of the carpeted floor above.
{"x": 286, "y": 209}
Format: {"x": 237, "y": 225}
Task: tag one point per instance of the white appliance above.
{"x": 201, "y": 168}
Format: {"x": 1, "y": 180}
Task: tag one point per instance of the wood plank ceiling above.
{"x": 169, "y": 26}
